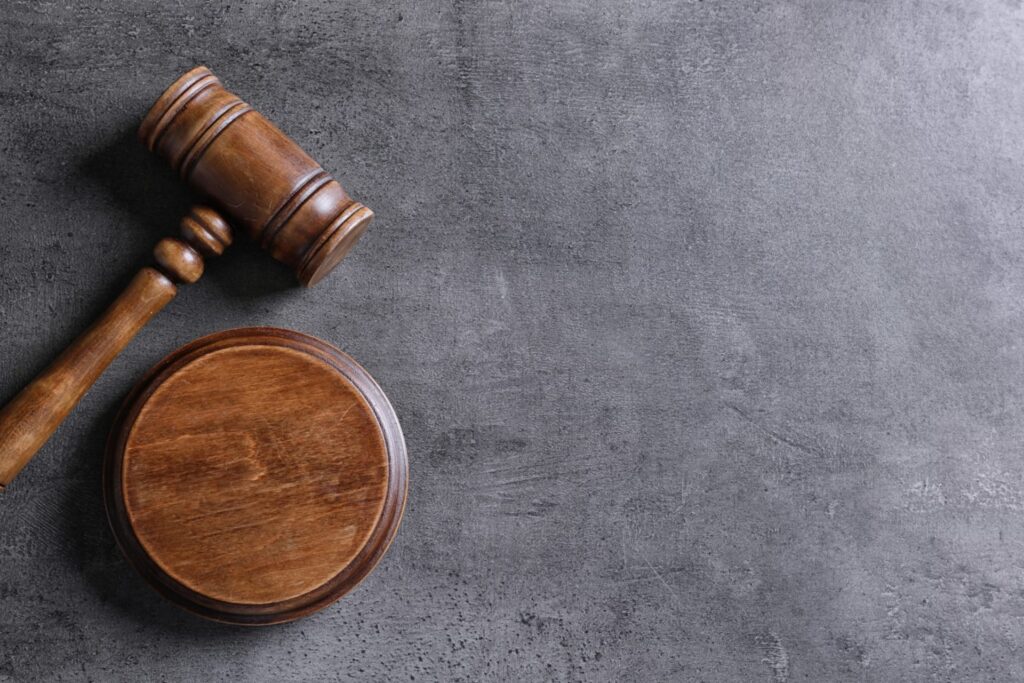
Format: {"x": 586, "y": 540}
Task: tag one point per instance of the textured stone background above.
{"x": 703, "y": 320}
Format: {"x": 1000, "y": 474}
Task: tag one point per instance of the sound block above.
{"x": 256, "y": 475}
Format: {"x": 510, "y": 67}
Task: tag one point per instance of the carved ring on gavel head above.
{"x": 257, "y": 179}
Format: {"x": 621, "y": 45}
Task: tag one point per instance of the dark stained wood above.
{"x": 255, "y": 475}
{"x": 36, "y": 412}
{"x": 254, "y": 174}
{"x": 258, "y": 178}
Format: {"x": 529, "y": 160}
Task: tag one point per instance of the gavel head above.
{"x": 253, "y": 173}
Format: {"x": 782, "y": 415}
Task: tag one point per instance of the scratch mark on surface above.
{"x": 660, "y": 577}
{"x": 502, "y": 285}
{"x": 347, "y": 411}
{"x": 778, "y": 436}
{"x": 775, "y": 656}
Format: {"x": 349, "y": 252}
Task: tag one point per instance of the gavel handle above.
{"x": 35, "y": 413}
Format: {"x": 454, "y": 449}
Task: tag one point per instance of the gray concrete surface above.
{"x": 704, "y": 321}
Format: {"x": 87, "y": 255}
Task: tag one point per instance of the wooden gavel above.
{"x": 254, "y": 175}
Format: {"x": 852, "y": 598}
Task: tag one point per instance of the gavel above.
{"x": 252, "y": 176}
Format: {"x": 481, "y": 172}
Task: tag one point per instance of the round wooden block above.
{"x": 255, "y": 475}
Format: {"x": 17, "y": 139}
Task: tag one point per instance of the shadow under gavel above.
{"x": 257, "y": 177}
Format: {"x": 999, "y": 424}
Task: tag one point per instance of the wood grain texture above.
{"x": 28, "y": 420}
{"x": 255, "y": 475}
